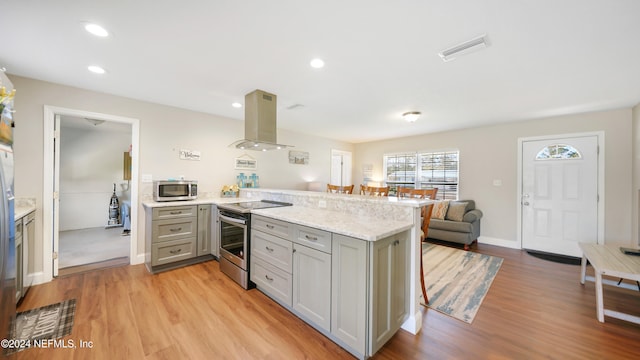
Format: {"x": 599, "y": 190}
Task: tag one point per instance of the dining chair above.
{"x": 337, "y": 189}
{"x": 417, "y": 193}
{"x": 426, "y": 219}
{"x": 374, "y": 190}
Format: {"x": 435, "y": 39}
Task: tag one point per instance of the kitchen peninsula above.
{"x": 345, "y": 264}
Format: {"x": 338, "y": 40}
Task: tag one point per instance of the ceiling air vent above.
{"x": 466, "y": 47}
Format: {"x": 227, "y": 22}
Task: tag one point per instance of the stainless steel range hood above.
{"x": 259, "y": 123}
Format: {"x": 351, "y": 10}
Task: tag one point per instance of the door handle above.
{"x": 526, "y": 203}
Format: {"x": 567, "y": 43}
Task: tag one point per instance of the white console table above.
{"x": 609, "y": 260}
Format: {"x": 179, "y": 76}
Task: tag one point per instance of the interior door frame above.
{"x": 601, "y": 166}
{"x": 342, "y": 153}
{"x": 48, "y": 180}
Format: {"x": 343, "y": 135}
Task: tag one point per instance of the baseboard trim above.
{"x": 499, "y": 242}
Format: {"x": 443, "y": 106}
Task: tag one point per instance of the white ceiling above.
{"x": 546, "y": 57}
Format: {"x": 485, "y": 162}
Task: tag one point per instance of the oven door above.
{"x": 233, "y": 239}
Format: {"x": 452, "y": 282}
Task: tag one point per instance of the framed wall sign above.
{"x": 246, "y": 162}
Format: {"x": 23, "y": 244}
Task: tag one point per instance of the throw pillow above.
{"x": 456, "y": 211}
{"x": 440, "y": 209}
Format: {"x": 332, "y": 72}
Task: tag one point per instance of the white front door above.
{"x": 559, "y": 194}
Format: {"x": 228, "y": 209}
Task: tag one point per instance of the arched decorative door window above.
{"x": 559, "y": 151}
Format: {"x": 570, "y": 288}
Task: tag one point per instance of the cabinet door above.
{"x": 215, "y": 232}
{"x": 312, "y": 285}
{"x": 389, "y": 298}
{"x": 349, "y": 291}
{"x": 204, "y": 230}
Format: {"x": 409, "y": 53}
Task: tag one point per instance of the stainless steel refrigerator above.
{"x": 7, "y": 221}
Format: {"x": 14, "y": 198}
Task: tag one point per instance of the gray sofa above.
{"x": 463, "y": 232}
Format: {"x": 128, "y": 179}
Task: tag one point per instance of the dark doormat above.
{"x": 564, "y": 259}
{"x": 46, "y": 323}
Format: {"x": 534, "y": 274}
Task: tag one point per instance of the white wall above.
{"x": 91, "y": 161}
{"x": 164, "y": 131}
{"x": 490, "y": 153}
{"x": 635, "y": 191}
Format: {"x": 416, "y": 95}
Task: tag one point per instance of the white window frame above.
{"x": 414, "y": 178}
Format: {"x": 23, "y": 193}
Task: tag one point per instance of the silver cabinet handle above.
{"x": 526, "y": 203}
{"x": 312, "y": 238}
{"x": 268, "y": 249}
{"x": 269, "y": 226}
{"x": 268, "y": 278}
{"x": 175, "y": 251}
{"x": 397, "y": 242}
{"x": 175, "y": 212}
{"x": 175, "y": 229}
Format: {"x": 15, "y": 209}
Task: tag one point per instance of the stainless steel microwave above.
{"x": 175, "y": 190}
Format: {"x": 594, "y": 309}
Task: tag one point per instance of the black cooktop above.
{"x": 253, "y": 205}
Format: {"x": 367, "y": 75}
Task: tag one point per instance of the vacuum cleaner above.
{"x": 114, "y": 210}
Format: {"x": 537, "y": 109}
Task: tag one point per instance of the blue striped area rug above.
{"x": 456, "y": 280}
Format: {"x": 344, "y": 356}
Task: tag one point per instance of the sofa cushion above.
{"x": 456, "y": 211}
{"x": 448, "y": 225}
{"x": 440, "y": 209}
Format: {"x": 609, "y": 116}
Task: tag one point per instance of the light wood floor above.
{"x": 535, "y": 309}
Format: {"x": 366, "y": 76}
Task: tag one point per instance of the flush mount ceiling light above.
{"x": 96, "y": 69}
{"x": 96, "y": 30}
{"x": 236, "y": 105}
{"x": 411, "y": 116}
{"x": 317, "y": 63}
{"x": 466, "y": 47}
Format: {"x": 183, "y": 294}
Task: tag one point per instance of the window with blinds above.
{"x": 425, "y": 170}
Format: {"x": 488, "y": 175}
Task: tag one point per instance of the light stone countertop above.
{"x": 22, "y": 211}
{"x": 201, "y": 201}
{"x": 23, "y": 206}
{"x": 360, "y": 227}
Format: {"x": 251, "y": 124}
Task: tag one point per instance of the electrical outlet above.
{"x": 147, "y": 178}
{"x": 322, "y": 204}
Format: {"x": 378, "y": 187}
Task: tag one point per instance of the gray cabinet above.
{"x": 349, "y": 277}
{"x": 177, "y": 236}
{"x": 312, "y": 284}
{"x": 28, "y": 243}
{"x": 389, "y": 285}
{"x": 287, "y": 265}
{"x": 369, "y": 289}
{"x": 19, "y": 260}
{"x": 204, "y": 230}
{"x": 356, "y": 292}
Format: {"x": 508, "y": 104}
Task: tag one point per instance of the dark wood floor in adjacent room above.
{"x": 535, "y": 309}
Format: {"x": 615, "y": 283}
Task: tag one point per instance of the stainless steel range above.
{"x": 235, "y": 234}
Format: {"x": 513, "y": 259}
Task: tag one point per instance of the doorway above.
{"x": 341, "y": 168}
{"x": 561, "y": 178}
{"x": 73, "y": 215}
{"x": 94, "y": 194}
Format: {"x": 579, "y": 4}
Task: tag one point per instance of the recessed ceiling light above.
{"x": 236, "y": 105}
{"x": 96, "y": 30}
{"x": 96, "y": 69}
{"x": 317, "y": 63}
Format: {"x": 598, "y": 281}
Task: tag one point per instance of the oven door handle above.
{"x": 233, "y": 220}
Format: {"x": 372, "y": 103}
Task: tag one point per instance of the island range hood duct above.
{"x": 259, "y": 123}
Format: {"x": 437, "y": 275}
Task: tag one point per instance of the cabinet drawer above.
{"x": 174, "y": 212}
{"x": 170, "y": 229}
{"x": 172, "y": 251}
{"x": 279, "y": 228}
{"x": 313, "y": 238}
{"x": 272, "y": 281}
{"x": 272, "y": 249}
